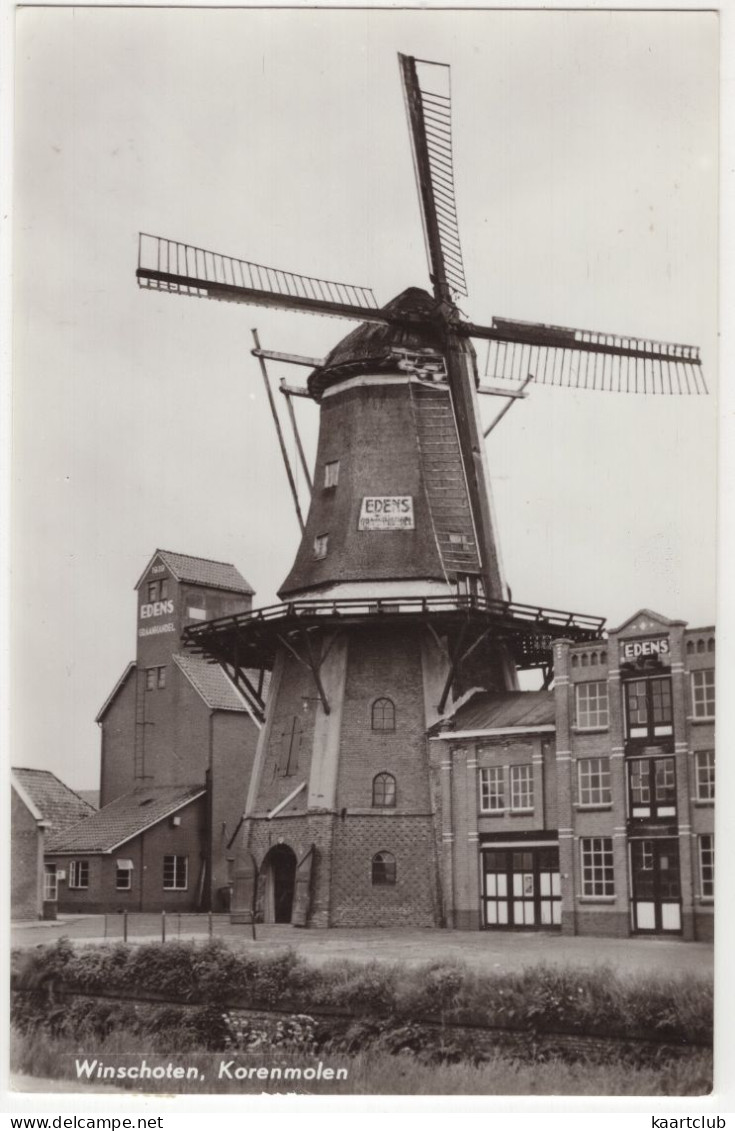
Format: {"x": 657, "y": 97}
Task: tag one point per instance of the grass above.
{"x": 42, "y": 1055}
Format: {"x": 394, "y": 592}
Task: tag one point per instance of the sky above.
{"x": 586, "y": 169}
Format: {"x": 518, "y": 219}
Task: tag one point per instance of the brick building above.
{"x": 178, "y": 738}
{"x": 589, "y": 808}
{"x": 41, "y": 806}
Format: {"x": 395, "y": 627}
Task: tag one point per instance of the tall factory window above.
{"x": 652, "y": 784}
{"x": 492, "y": 789}
{"x": 592, "y": 705}
{"x": 703, "y": 693}
{"x": 707, "y": 866}
{"x": 648, "y": 707}
{"x": 521, "y": 787}
{"x": 331, "y": 473}
{"x": 175, "y": 873}
{"x": 384, "y": 791}
{"x": 598, "y": 877}
{"x": 79, "y": 874}
{"x": 320, "y": 545}
{"x": 384, "y": 868}
{"x": 704, "y": 762}
{"x": 384, "y": 715}
{"x": 593, "y": 778}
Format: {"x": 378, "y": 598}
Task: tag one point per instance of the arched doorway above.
{"x": 279, "y": 868}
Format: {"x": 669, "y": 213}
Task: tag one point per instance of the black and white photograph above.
{"x": 362, "y": 620}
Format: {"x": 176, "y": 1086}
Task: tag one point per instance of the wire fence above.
{"x": 166, "y": 926}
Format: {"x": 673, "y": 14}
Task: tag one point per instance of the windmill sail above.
{"x": 428, "y": 104}
{"x": 167, "y": 265}
{"x": 585, "y": 359}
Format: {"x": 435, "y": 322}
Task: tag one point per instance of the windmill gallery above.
{"x": 394, "y": 773}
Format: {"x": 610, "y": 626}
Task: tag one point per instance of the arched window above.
{"x": 603, "y": 657}
{"x": 700, "y": 645}
{"x": 593, "y": 660}
{"x": 384, "y": 868}
{"x": 585, "y": 660}
{"x": 690, "y": 647}
{"x": 384, "y": 791}
{"x": 575, "y": 661}
{"x": 384, "y": 715}
{"x": 711, "y": 644}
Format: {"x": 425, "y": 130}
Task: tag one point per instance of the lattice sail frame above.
{"x": 585, "y": 359}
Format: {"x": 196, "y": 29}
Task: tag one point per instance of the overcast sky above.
{"x": 586, "y": 172}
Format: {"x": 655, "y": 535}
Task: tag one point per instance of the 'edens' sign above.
{"x": 156, "y": 609}
{"x": 634, "y": 649}
{"x": 386, "y": 512}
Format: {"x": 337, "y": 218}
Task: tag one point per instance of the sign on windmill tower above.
{"x": 396, "y": 602}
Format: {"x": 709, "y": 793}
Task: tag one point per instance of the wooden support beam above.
{"x": 279, "y": 433}
{"x": 297, "y": 437}
{"x": 291, "y": 358}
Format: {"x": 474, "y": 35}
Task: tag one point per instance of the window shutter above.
{"x": 243, "y": 888}
{"x": 302, "y": 891}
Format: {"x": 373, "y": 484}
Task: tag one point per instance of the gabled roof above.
{"x": 56, "y": 804}
{"x": 124, "y": 818}
{"x": 646, "y": 615}
{"x": 212, "y": 682}
{"x": 120, "y": 683}
{"x": 201, "y": 571}
{"x": 494, "y": 711}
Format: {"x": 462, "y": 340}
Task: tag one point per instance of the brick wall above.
{"x": 118, "y": 743}
{"x": 26, "y": 860}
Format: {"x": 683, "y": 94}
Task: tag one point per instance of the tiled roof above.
{"x": 212, "y": 682}
{"x": 202, "y": 571}
{"x": 57, "y": 804}
{"x": 495, "y": 711}
{"x": 91, "y": 796}
{"x": 123, "y": 819}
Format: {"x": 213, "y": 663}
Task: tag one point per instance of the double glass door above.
{"x": 656, "y": 887}
{"x": 521, "y": 887}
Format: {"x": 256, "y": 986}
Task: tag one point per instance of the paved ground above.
{"x": 483, "y": 950}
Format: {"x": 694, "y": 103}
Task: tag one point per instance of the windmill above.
{"x": 398, "y": 578}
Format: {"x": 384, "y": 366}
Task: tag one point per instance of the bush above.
{"x": 536, "y": 1000}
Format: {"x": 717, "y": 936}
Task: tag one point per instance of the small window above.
{"x": 153, "y": 591}
{"x": 593, "y": 778}
{"x": 460, "y": 541}
{"x": 50, "y": 883}
{"x": 124, "y": 875}
{"x": 155, "y": 678}
{"x": 384, "y": 868}
{"x": 383, "y": 715}
{"x": 321, "y": 543}
{"x": 690, "y": 647}
{"x": 598, "y": 875}
{"x": 492, "y": 789}
{"x": 384, "y": 791}
{"x": 704, "y": 762}
{"x": 703, "y": 693}
{"x": 707, "y": 866}
{"x": 331, "y": 473}
{"x": 79, "y": 874}
{"x": 521, "y": 787}
{"x": 592, "y": 705}
{"x": 163, "y": 589}
{"x": 175, "y": 873}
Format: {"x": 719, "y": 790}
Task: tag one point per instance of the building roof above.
{"x": 486, "y": 710}
{"x": 57, "y": 805}
{"x": 213, "y": 684}
{"x": 371, "y": 344}
{"x": 124, "y": 818}
{"x": 91, "y": 796}
{"x": 201, "y": 571}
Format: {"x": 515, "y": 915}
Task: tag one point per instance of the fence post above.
{"x": 125, "y": 926}
{"x": 105, "y": 927}
{"x": 163, "y": 926}
{"x": 209, "y": 925}
{"x": 178, "y": 924}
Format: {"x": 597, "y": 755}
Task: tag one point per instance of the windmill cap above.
{"x": 370, "y": 347}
